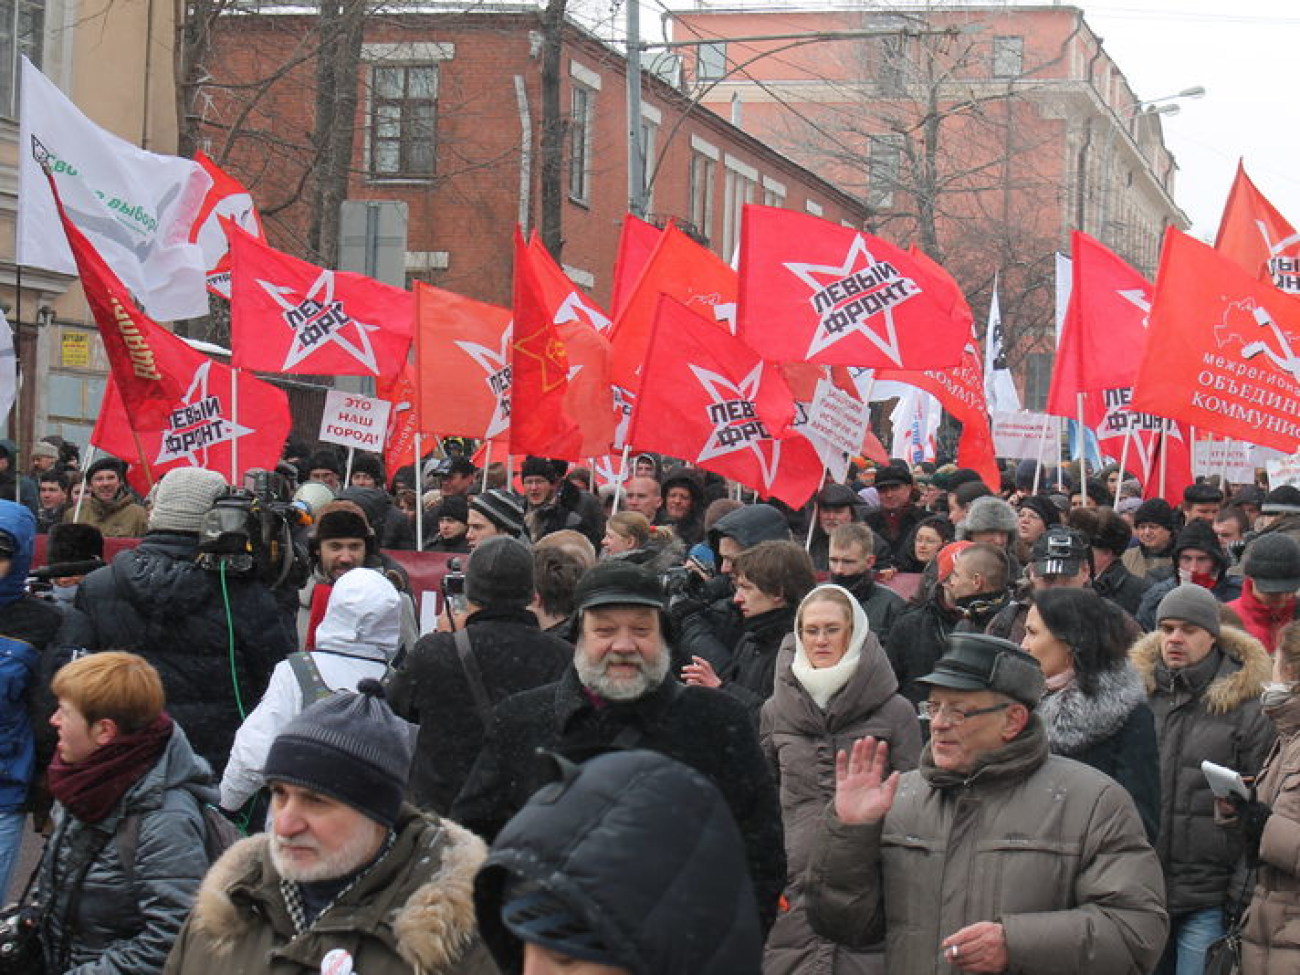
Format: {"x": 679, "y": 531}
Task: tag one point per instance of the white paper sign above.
{"x": 1229, "y": 458}
{"x": 837, "y": 422}
{"x": 1284, "y": 471}
{"x": 354, "y": 420}
{"x": 1020, "y": 435}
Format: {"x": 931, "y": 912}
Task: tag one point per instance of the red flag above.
{"x": 583, "y": 328}
{"x": 959, "y": 390}
{"x": 462, "y": 355}
{"x": 636, "y": 241}
{"x": 1105, "y": 328}
{"x": 814, "y": 291}
{"x": 399, "y": 439}
{"x": 142, "y": 355}
{"x": 706, "y": 397}
{"x": 1257, "y": 237}
{"x": 226, "y": 199}
{"x": 1224, "y": 349}
{"x": 202, "y": 425}
{"x": 1109, "y": 414}
{"x": 290, "y": 316}
{"x": 540, "y": 372}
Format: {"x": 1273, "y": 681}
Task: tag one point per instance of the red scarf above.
{"x": 91, "y": 789}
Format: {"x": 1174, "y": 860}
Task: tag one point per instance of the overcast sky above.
{"x": 1243, "y": 55}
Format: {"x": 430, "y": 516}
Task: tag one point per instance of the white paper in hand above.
{"x": 1224, "y": 782}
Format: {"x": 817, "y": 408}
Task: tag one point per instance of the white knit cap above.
{"x": 182, "y": 497}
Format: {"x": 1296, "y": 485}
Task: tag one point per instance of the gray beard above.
{"x": 595, "y": 678}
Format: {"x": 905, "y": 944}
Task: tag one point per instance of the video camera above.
{"x": 249, "y": 531}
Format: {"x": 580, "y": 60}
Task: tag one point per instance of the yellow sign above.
{"x": 75, "y": 351}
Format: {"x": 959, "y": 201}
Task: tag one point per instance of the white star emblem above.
{"x": 575, "y": 309}
{"x": 740, "y": 398}
{"x": 496, "y": 363}
{"x": 197, "y": 424}
{"x": 840, "y": 311}
{"x": 317, "y": 319}
{"x": 1140, "y": 298}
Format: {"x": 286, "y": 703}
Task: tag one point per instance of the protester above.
{"x": 643, "y": 495}
{"x": 1199, "y": 559}
{"x": 1203, "y": 681}
{"x": 350, "y": 878}
{"x": 834, "y": 685}
{"x": 923, "y": 544}
{"x": 1034, "y": 516}
{"x": 1201, "y": 502}
{"x": 545, "y": 511}
{"x": 556, "y": 571}
{"x": 124, "y": 861}
{"x": 889, "y": 852}
{"x": 1154, "y": 524}
{"x": 494, "y": 512}
{"x": 836, "y": 505}
{"x": 683, "y": 493}
{"x": 1280, "y": 512}
{"x": 53, "y": 492}
{"x": 1268, "y": 595}
{"x": 852, "y": 564}
{"x": 625, "y": 532}
{"x": 630, "y": 864}
{"x": 451, "y": 681}
{"x": 617, "y": 693}
{"x": 1095, "y": 707}
{"x": 897, "y": 515}
{"x": 110, "y": 506}
{"x": 451, "y": 526}
{"x": 1109, "y": 536}
{"x": 323, "y": 467}
{"x": 214, "y": 636}
{"x": 357, "y": 639}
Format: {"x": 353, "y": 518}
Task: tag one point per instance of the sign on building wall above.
{"x": 74, "y": 350}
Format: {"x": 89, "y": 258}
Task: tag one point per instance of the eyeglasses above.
{"x": 815, "y": 632}
{"x": 930, "y": 710}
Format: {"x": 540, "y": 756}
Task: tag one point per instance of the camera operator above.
{"x": 157, "y": 601}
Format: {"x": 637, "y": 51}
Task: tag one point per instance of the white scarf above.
{"x": 823, "y": 683}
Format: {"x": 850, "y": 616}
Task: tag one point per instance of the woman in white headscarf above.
{"x": 833, "y": 686}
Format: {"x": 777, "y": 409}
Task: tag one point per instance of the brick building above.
{"x": 984, "y": 134}
{"x": 449, "y": 121}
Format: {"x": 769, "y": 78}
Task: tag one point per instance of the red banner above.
{"x": 708, "y": 398}
{"x": 1257, "y": 237}
{"x": 290, "y": 316}
{"x": 813, "y": 291}
{"x": 227, "y": 198}
{"x": 399, "y": 438}
{"x": 1224, "y": 349}
{"x": 636, "y": 241}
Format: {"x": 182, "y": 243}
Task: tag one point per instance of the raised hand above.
{"x": 863, "y": 792}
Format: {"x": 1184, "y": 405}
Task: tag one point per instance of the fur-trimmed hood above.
{"x": 1226, "y": 691}
{"x": 431, "y": 929}
{"x": 1076, "y": 721}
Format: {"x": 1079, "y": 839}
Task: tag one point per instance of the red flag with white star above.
{"x": 708, "y": 398}
{"x": 226, "y": 198}
{"x": 813, "y": 291}
{"x": 201, "y": 426}
{"x": 584, "y": 329}
{"x": 462, "y": 364}
{"x": 1257, "y": 237}
{"x": 636, "y": 241}
{"x": 539, "y": 363}
{"x": 290, "y": 316}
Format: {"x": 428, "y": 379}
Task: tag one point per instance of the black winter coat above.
{"x": 154, "y": 600}
{"x": 919, "y": 637}
{"x": 695, "y": 725}
{"x": 432, "y": 690}
{"x": 751, "y": 675}
{"x": 1121, "y": 587}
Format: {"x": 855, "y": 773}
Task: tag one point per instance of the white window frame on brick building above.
{"x": 703, "y": 178}
{"x": 741, "y": 188}
{"x": 651, "y": 119}
{"x": 884, "y": 167}
{"x": 584, "y": 84}
{"x": 1008, "y": 56}
{"x": 774, "y": 192}
{"x": 401, "y": 143}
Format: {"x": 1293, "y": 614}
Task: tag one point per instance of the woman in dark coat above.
{"x": 1095, "y": 709}
{"x": 834, "y": 686}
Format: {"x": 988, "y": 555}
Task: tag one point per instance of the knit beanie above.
{"x": 1272, "y": 563}
{"x": 1155, "y": 511}
{"x": 350, "y": 747}
{"x": 1043, "y": 507}
{"x": 183, "y": 497}
{"x": 500, "y": 573}
{"x": 501, "y": 508}
{"x": 1191, "y": 604}
{"x": 455, "y": 507}
{"x": 106, "y": 464}
{"x": 43, "y": 449}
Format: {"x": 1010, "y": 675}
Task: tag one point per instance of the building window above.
{"x": 703, "y": 172}
{"x": 1008, "y": 56}
{"x": 884, "y": 167}
{"x": 22, "y": 31}
{"x": 1038, "y": 378}
{"x": 773, "y": 193}
{"x": 742, "y": 187}
{"x": 648, "y": 131}
{"x": 403, "y": 106}
{"x": 711, "y": 61}
{"x": 581, "y": 125}
{"x": 893, "y": 65}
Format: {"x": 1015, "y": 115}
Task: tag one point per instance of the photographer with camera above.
{"x": 451, "y": 682}
{"x": 214, "y": 634}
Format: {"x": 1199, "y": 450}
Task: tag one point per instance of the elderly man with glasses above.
{"x": 994, "y": 855}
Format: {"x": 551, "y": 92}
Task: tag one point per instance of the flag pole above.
{"x": 1164, "y": 452}
{"x": 1042, "y": 445}
{"x": 1123, "y": 461}
{"x": 1192, "y": 434}
{"x": 419, "y": 494}
{"x": 234, "y": 427}
{"x": 812, "y": 523}
{"x": 85, "y": 483}
{"x": 487, "y": 462}
{"x": 622, "y": 476}
{"x": 1083, "y": 444}
{"x": 144, "y": 461}
{"x": 347, "y": 470}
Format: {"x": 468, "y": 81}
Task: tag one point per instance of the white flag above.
{"x": 916, "y": 421}
{"x": 999, "y": 388}
{"x": 136, "y": 207}
{"x": 8, "y": 369}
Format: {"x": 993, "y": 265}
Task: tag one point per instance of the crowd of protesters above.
{"x": 923, "y": 724}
